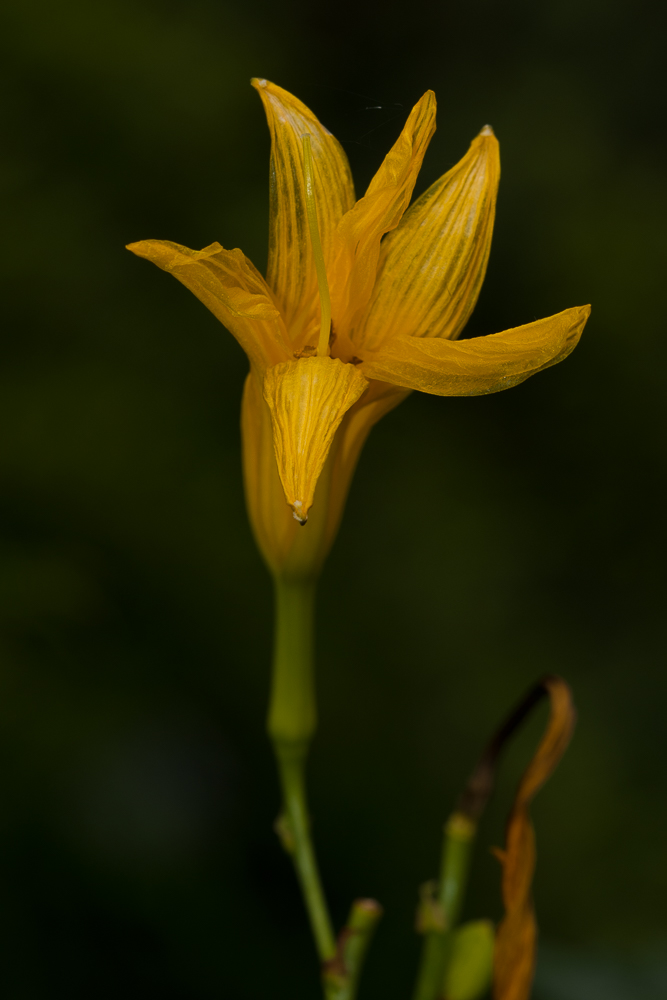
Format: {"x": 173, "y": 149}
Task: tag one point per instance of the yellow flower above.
{"x": 397, "y": 305}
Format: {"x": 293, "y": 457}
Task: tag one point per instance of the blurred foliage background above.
{"x": 486, "y": 540}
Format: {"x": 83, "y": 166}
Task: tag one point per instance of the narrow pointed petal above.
{"x": 232, "y": 288}
{"x": 480, "y": 365}
{"x": 291, "y": 269}
{"x": 291, "y": 553}
{"x": 308, "y": 399}
{"x": 357, "y": 245}
{"x": 432, "y": 266}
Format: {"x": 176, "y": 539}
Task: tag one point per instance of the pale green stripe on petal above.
{"x": 433, "y": 264}
{"x": 357, "y": 243}
{"x": 291, "y": 268}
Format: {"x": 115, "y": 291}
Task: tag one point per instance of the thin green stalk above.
{"x": 341, "y": 976}
{"x": 294, "y": 828}
{"x": 292, "y": 722}
{"x": 440, "y": 911}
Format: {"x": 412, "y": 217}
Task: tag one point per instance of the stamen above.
{"x": 311, "y": 211}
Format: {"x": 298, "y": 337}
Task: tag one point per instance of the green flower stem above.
{"x": 291, "y": 724}
{"x": 439, "y": 914}
{"x": 341, "y": 976}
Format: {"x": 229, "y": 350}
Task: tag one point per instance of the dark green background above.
{"x": 486, "y": 540}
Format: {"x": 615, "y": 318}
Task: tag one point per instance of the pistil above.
{"x": 311, "y": 211}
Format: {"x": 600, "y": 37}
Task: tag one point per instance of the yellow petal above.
{"x": 291, "y": 269}
{"x": 514, "y": 960}
{"x": 308, "y": 399}
{"x": 232, "y": 288}
{"x": 357, "y": 246}
{"x": 291, "y": 553}
{"x": 432, "y": 266}
{"x": 479, "y": 365}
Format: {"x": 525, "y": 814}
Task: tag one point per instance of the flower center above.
{"x": 311, "y": 212}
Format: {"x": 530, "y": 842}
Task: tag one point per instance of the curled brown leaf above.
{"x": 514, "y": 962}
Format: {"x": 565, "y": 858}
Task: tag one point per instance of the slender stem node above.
{"x": 441, "y": 903}
{"x": 341, "y": 975}
{"x": 295, "y": 820}
{"x": 439, "y": 912}
{"x": 291, "y": 724}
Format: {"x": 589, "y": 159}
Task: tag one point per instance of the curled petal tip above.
{"x": 487, "y": 130}
{"x": 298, "y": 513}
{"x": 258, "y": 82}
